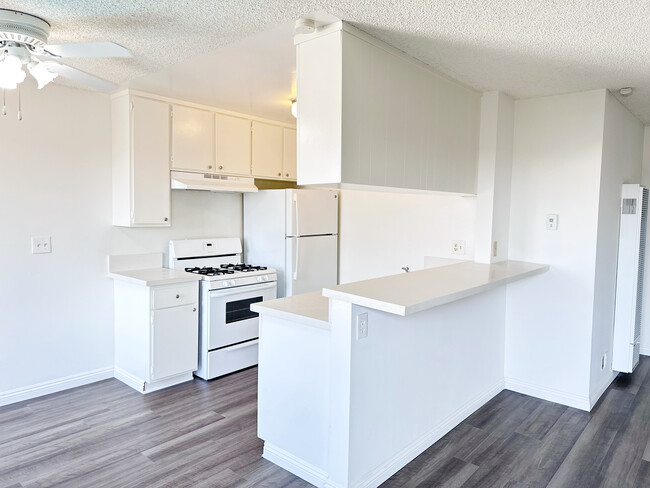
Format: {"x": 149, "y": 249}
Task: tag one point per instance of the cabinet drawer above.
{"x": 173, "y": 295}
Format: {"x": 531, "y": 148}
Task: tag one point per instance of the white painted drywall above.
{"x": 391, "y": 378}
{"x": 57, "y": 309}
{"x": 557, "y": 152}
{"x": 645, "y": 322}
{"x": 621, "y": 163}
{"x": 381, "y": 232}
{"x": 493, "y": 181}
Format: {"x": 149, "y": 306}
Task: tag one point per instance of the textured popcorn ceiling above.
{"x": 524, "y": 48}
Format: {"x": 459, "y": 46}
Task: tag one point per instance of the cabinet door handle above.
{"x": 210, "y": 167}
{"x": 220, "y": 167}
{"x": 178, "y": 296}
{"x": 166, "y": 219}
{"x": 287, "y": 175}
{"x": 194, "y": 309}
{"x": 279, "y": 174}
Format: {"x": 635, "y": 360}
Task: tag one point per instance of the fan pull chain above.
{"x": 20, "y": 114}
{"x": 4, "y": 102}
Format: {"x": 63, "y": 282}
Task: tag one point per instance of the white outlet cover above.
{"x": 41, "y": 245}
{"x": 362, "y": 325}
{"x": 458, "y": 247}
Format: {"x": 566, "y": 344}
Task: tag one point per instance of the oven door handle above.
{"x": 242, "y": 289}
{"x": 242, "y": 345}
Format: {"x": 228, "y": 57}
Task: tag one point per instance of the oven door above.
{"x": 230, "y": 318}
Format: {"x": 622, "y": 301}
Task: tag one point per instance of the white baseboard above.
{"x": 380, "y": 474}
{"x": 146, "y": 387}
{"x": 596, "y": 396}
{"x": 552, "y": 395}
{"x": 295, "y": 465}
{"x": 60, "y": 384}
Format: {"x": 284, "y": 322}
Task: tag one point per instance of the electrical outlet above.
{"x": 41, "y": 245}
{"x": 458, "y": 247}
{"x": 603, "y": 361}
{"x": 362, "y": 326}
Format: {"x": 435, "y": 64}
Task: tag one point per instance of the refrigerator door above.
{"x": 311, "y": 264}
{"x": 312, "y": 212}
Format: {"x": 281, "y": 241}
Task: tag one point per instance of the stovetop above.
{"x": 229, "y": 270}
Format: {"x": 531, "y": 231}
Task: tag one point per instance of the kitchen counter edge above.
{"x": 408, "y": 293}
{"x": 154, "y": 276}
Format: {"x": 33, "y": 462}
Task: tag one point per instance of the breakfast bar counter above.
{"x": 356, "y": 383}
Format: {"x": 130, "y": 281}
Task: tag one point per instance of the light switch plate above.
{"x": 41, "y": 245}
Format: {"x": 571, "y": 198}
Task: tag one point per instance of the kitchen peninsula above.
{"x": 356, "y": 382}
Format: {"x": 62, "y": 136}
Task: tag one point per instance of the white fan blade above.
{"x": 81, "y": 77}
{"x": 88, "y": 50}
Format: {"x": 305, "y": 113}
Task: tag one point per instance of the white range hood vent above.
{"x": 184, "y": 180}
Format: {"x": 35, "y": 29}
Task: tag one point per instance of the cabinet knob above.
{"x": 279, "y": 174}
{"x": 287, "y": 175}
{"x": 210, "y": 167}
{"x": 166, "y": 219}
{"x": 178, "y": 296}
{"x": 220, "y": 167}
{"x": 194, "y": 309}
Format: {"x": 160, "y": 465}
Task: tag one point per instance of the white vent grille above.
{"x": 639, "y": 288}
{"x": 628, "y": 315}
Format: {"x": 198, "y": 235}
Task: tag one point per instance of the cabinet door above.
{"x": 192, "y": 139}
{"x": 174, "y": 341}
{"x": 233, "y": 145}
{"x": 150, "y": 189}
{"x": 289, "y": 159}
{"x": 267, "y": 150}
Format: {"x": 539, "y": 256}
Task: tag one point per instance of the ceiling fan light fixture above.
{"x": 11, "y": 72}
{"x": 40, "y": 72}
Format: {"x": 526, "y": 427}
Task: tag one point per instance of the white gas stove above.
{"x": 228, "y": 329}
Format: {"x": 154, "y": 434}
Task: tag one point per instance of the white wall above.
{"x": 557, "y": 151}
{"x": 494, "y": 175}
{"x": 621, "y": 163}
{"x": 381, "y": 232}
{"x": 56, "y": 320}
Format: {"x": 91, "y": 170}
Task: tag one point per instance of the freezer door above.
{"x": 311, "y": 264}
{"x": 312, "y": 212}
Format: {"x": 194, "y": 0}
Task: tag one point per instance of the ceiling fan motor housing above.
{"x": 21, "y": 28}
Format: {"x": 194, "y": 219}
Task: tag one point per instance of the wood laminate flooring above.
{"x": 203, "y": 434}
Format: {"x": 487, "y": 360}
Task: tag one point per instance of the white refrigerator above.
{"x": 295, "y": 232}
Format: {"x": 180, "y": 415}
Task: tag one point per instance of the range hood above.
{"x": 184, "y": 180}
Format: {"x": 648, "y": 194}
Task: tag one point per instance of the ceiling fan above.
{"x": 23, "y": 42}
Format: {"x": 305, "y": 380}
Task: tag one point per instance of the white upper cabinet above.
{"x": 267, "y": 142}
{"x": 192, "y": 139}
{"x": 289, "y": 153}
{"x": 370, "y": 115}
{"x": 140, "y": 135}
{"x": 233, "y": 145}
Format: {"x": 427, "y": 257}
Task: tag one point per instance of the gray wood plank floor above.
{"x": 203, "y": 434}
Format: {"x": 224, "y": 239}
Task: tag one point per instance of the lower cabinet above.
{"x": 156, "y": 334}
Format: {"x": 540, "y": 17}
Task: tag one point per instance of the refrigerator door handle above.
{"x": 295, "y": 215}
{"x": 296, "y": 260}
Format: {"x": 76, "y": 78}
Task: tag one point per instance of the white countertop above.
{"x": 408, "y": 293}
{"x": 309, "y": 309}
{"x": 154, "y": 276}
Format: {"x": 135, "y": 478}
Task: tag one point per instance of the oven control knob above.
{"x": 225, "y": 283}
{"x": 233, "y": 282}
{"x": 259, "y": 279}
{"x": 265, "y": 278}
